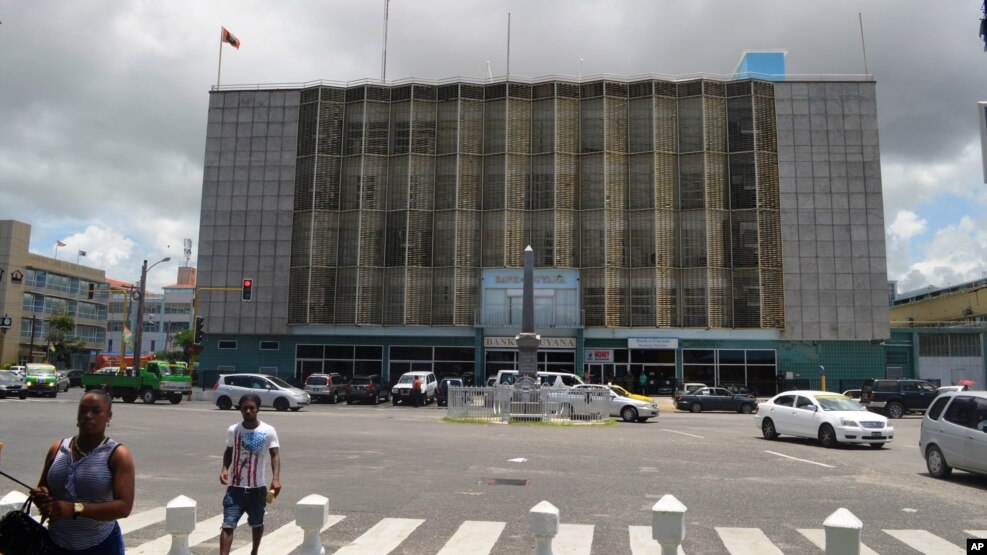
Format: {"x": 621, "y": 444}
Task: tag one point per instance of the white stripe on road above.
{"x": 747, "y": 541}
{"x": 979, "y": 534}
{"x": 641, "y": 542}
{"x": 142, "y": 520}
{"x": 473, "y": 538}
{"x": 802, "y": 460}
{"x": 926, "y": 542}
{"x": 382, "y": 538}
{"x": 683, "y": 433}
{"x": 204, "y": 530}
{"x": 818, "y": 537}
{"x": 284, "y": 539}
{"x": 573, "y": 539}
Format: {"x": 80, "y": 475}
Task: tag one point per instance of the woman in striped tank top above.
{"x": 87, "y": 484}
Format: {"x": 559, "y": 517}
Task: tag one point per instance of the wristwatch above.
{"x": 76, "y": 509}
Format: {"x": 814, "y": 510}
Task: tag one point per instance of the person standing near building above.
{"x": 247, "y": 445}
{"x": 642, "y": 382}
{"x": 87, "y": 484}
{"x": 416, "y": 390}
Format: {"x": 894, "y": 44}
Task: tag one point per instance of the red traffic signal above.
{"x": 247, "y": 291}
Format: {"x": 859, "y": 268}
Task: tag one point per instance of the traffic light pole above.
{"x": 195, "y": 317}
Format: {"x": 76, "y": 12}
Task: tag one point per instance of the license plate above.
{"x": 875, "y": 434}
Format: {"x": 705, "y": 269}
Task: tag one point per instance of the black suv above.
{"x": 895, "y": 398}
{"x": 442, "y": 390}
{"x": 368, "y": 389}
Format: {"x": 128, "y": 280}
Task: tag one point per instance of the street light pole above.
{"x": 139, "y": 320}
{"x": 5, "y": 324}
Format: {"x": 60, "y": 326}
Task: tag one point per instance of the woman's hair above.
{"x": 102, "y": 394}
{"x": 253, "y": 397}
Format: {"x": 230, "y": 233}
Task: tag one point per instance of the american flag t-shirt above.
{"x": 250, "y": 451}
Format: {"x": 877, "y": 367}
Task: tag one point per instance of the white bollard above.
{"x": 180, "y": 522}
{"x": 543, "y": 519}
{"x": 842, "y": 533}
{"x": 13, "y": 501}
{"x": 311, "y": 514}
{"x": 668, "y": 524}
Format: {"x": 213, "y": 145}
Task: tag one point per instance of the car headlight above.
{"x": 847, "y": 423}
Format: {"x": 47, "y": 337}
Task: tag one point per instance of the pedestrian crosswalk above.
{"x": 474, "y": 537}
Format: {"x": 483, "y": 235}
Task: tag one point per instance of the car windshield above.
{"x": 407, "y": 378}
{"x": 316, "y": 380}
{"x": 279, "y": 381}
{"x": 40, "y": 372}
{"x": 839, "y": 402}
{"x": 172, "y": 370}
{"x": 7, "y": 375}
{"x": 357, "y": 380}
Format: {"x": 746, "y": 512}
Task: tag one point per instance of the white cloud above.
{"x": 954, "y": 255}
{"x": 907, "y": 224}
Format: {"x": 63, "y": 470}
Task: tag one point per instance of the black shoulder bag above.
{"x": 20, "y": 534}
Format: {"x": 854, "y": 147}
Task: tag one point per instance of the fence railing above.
{"x": 547, "y": 404}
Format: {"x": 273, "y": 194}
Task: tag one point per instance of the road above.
{"x": 384, "y": 462}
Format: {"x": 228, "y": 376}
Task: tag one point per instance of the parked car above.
{"x": 831, "y": 418}
{"x": 689, "y": 387}
{"x": 715, "y": 398}
{"x": 42, "y": 379}
{"x": 545, "y": 379}
{"x": 442, "y": 390}
{"x": 895, "y": 398}
{"x": 629, "y": 409}
{"x": 401, "y": 392}
{"x": 326, "y": 387}
{"x": 11, "y": 385}
{"x": 273, "y": 391}
{"x": 75, "y": 377}
{"x": 19, "y": 370}
{"x": 954, "y": 433}
{"x": 491, "y": 381}
{"x": 738, "y": 389}
{"x": 367, "y": 389}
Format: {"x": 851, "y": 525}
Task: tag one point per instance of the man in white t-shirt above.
{"x": 247, "y": 446}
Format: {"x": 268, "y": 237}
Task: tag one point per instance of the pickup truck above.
{"x": 158, "y": 379}
{"x": 895, "y": 398}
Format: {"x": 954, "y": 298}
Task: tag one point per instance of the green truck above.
{"x": 158, "y": 379}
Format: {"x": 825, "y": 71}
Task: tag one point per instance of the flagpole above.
{"x": 220, "y": 68}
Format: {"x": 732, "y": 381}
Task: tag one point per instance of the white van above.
{"x": 545, "y": 379}
{"x": 401, "y": 392}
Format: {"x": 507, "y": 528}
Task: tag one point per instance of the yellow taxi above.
{"x": 624, "y": 393}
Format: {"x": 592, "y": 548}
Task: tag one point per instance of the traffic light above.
{"x": 199, "y": 332}
{"x": 92, "y": 290}
{"x": 247, "y": 293}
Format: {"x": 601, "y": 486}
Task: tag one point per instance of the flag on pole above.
{"x": 59, "y": 243}
{"x": 227, "y": 36}
{"x": 128, "y": 338}
{"x": 82, "y": 252}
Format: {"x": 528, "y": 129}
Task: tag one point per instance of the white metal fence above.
{"x": 548, "y": 404}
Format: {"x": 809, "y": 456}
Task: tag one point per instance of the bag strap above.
{"x": 15, "y": 479}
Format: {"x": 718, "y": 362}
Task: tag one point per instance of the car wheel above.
{"x": 642, "y": 419}
{"x": 129, "y": 398}
{"x": 895, "y": 410}
{"x": 394, "y": 402}
{"x": 876, "y": 445}
{"x": 281, "y": 404}
{"x": 334, "y": 398}
{"x": 827, "y": 436}
{"x": 223, "y": 403}
{"x": 22, "y": 396}
{"x": 936, "y": 463}
{"x": 54, "y": 394}
{"x": 628, "y": 414}
{"x": 147, "y": 396}
{"x": 375, "y": 400}
{"x": 768, "y": 429}
{"x": 349, "y": 401}
{"x": 175, "y": 400}
{"x": 746, "y": 408}
{"x": 696, "y": 407}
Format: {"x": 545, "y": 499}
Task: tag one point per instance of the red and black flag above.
{"x": 227, "y": 36}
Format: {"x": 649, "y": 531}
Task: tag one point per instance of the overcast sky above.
{"x": 103, "y": 102}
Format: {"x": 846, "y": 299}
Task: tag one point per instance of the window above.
{"x": 936, "y": 409}
{"x": 804, "y": 403}
{"x": 226, "y": 344}
{"x": 960, "y": 411}
{"x": 269, "y": 345}
{"x": 785, "y": 400}
{"x": 981, "y": 414}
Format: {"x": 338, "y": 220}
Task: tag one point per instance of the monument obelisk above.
{"x": 527, "y": 341}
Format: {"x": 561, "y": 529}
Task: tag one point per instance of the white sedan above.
{"x": 829, "y": 417}
{"x": 627, "y": 408}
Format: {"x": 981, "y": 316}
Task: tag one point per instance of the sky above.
{"x": 103, "y": 103}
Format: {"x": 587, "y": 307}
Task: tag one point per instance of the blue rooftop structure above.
{"x": 761, "y": 64}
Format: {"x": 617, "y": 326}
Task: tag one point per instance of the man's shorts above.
{"x": 237, "y": 501}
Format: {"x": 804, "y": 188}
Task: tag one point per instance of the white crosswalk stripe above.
{"x": 573, "y": 539}
{"x": 284, "y": 539}
{"x": 142, "y": 520}
{"x": 383, "y": 538}
{"x": 204, "y": 530}
{"x": 641, "y": 542}
{"x": 747, "y": 541}
{"x": 473, "y": 538}
{"x": 981, "y": 534}
{"x": 924, "y": 541}
{"x": 818, "y": 537}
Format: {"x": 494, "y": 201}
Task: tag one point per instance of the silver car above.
{"x": 11, "y": 385}
{"x": 273, "y": 391}
{"x": 627, "y": 408}
{"x": 954, "y": 433}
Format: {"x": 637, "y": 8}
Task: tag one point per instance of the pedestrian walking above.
{"x": 642, "y": 383}
{"x": 247, "y": 445}
{"x": 87, "y": 484}
{"x": 416, "y": 391}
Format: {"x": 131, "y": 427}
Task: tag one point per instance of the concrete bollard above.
{"x": 311, "y": 514}
{"x": 842, "y": 533}
{"x": 543, "y": 519}
{"x": 13, "y": 501}
{"x": 668, "y": 524}
{"x": 180, "y": 522}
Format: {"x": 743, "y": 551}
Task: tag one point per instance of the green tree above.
{"x": 181, "y": 340}
{"x": 60, "y": 346}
